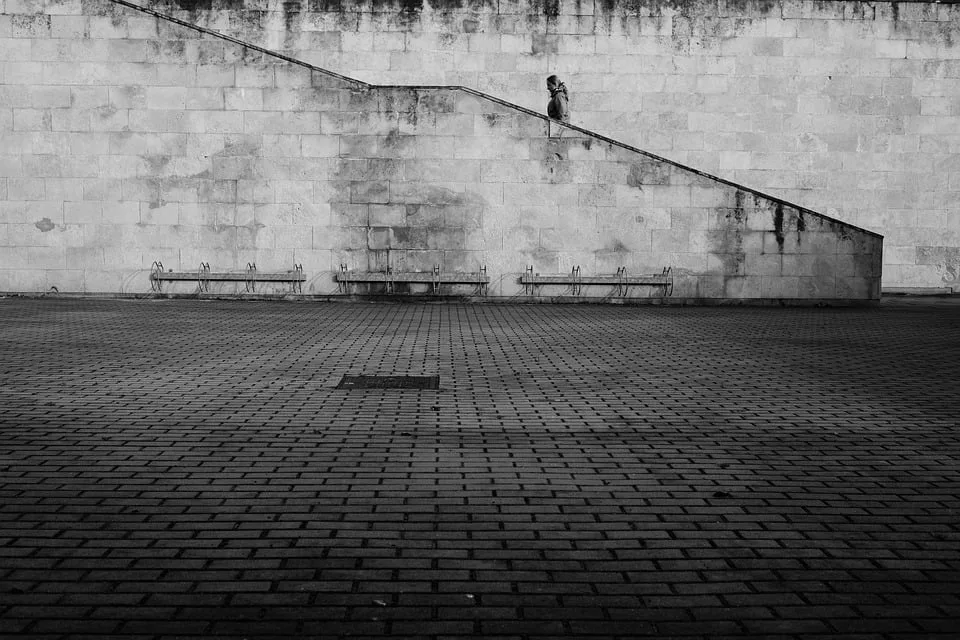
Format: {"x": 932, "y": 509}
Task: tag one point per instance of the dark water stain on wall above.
{"x": 726, "y": 241}
{"x": 778, "y": 225}
{"x": 209, "y": 5}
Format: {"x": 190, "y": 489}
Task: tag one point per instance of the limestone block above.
{"x": 136, "y": 143}
{"x": 817, "y": 287}
{"x": 506, "y": 170}
{"x": 379, "y": 123}
{"x": 105, "y": 118}
{"x": 522, "y": 239}
{"x": 370, "y": 192}
{"x": 42, "y": 166}
{"x": 387, "y": 215}
{"x": 332, "y": 191}
{"x": 860, "y": 288}
{"x": 51, "y": 257}
{"x": 26, "y": 188}
{"x": 337, "y": 122}
{"x": 44, "y": 143}
{"x": 44, "y": 233}
{"x": 809, "y": 265}
{"x": 293, "y": 237}
{"x": 23, "y": 280}
{"x": 292, "y": 214}
{"x": 10, "y": 166}
{"x": 411, "y": 237}
{"x": 850, "y": 244}
{"x": 818, "y": 243}
{"x": 475, "y": 239}
{"x": 455, "y": 124}
{"x": 779, "y": 287}
{"x": 357, "y": 146}
{"x": 294, "y": 75}
{"x": 727, "y": 260}
{"x": 176, "y": 189}
{"x": 867, "y": 266}
{"x": 165, "y": 214}
{"x": 380, "y": 238}
{"x": 162, "y": 121}
{"x": 448, "y": 239}
{"x": 467, "y": 171}
{"x": 465, "y": 217}
{"x": 282, "y": 100}
{"x": 845, "y": 266}
{"x": 30, "y": 26}
{"x": 216, "y": 191}
{"x": 255, "y": 75}
{"x": 207, "y": 99}
{"x": 742, "y": 287}
{"x": 566, "y": 240}
{"x": 325, "y": 237}
{"x": 102, "y": 189}
{"x": 765, "y": 264}
{"x": 709, "y": 287}
{"x": 351, "y": 238}
{"x": 293, "y": 191}
{"x": 222, "y": 76}
{"x": 220, "y": 240}
{"x": 320, "y": 146}
{"x": 80, "y": 256}
{"x": 785, "y": 243}
{"x": 195, "y": 214}
{"x": 288, "y": 168}
{"x": 596, "y": 196}
{"x": 147, "y": 189}
{"x": 15, "y": 50}
{"x": 671, "y": 240}
{"x": 425, "y": 215}
{"x": 32, "y": 120}
{"x": 349, "y": 215}
{"x": 254, "y": 236}
{"x": 704, "y": 197}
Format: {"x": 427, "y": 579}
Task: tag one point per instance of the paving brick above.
{"x": 190, "y": 469}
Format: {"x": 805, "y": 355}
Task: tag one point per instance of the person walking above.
{"x": 558, "y": 108}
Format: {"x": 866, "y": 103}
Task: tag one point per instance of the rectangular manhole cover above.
{"x": 389, "y": 382}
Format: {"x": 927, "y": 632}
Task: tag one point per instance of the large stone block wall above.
{"x": 167, "y": 144}
{"x": 848, "y": 108}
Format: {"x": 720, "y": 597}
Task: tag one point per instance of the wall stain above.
{"x": 726, "y": 242}
{"x": 778, "y": 225}
{"x": 45, "y": 224}
{"x": 208, "y": 5}
{"x": 156, "y": 163}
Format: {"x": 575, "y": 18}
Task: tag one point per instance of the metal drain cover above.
{"x": 389, "y": 382}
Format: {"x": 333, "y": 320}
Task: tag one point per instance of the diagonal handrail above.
{"x": 366, "y": 86}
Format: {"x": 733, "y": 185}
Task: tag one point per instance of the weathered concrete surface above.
{"x": 196, "y": 149}
{"x": 848, "y": 108}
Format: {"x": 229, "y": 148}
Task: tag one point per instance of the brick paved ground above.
{"x": 187, "y": 468}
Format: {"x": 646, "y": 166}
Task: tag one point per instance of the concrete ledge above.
{"x": 917, "y": 291}
{"x": 455, "y": 297}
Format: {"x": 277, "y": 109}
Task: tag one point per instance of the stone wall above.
{"x": 848, "y": 108}
{"x": 167, "y": 144}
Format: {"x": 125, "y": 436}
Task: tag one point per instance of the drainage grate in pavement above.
{"x": 389, "y": 382}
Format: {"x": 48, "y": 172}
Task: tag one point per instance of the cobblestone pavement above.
{"x": 178, "y": 469}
